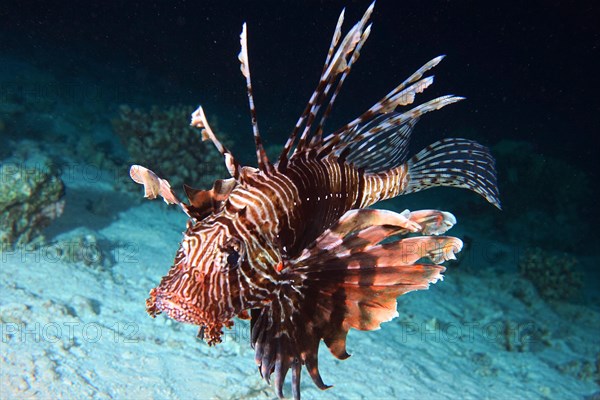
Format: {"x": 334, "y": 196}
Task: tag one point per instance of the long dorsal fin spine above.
{"x": 337, "y": 34}
{"x": 335, "y": 64}
{"x": 393, "y": 97}
{"x": 385, "y": 106}
{"x": 400, "y": 96}
{"x": 338, "y": 65}
{"x": 319, "y": 131}
{"x": 199, "y": 121}
{"x": 302, "y": 119}
{"x": 261, "y": 155}
{"x": 385, "y": 124}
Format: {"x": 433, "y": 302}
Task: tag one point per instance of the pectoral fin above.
{"x": 347, "y": 278}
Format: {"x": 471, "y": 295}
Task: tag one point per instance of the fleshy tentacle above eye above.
{"x": 347, "y": 279}
{"x": 202, "y": 202}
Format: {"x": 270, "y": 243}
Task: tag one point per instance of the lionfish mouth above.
{"x": 177, "y": 309}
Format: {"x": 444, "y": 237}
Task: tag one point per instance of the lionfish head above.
{"x": 201, "y": 287}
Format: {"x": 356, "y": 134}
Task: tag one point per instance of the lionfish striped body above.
{"x": 292, "y": 246}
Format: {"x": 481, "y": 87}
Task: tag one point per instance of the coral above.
{"x": 584, "y": 370}
{"x": 163, "y": 141}
{"x": 522, "y": 336}
{"x": 31, "y": 196}
{"x": 95, "y": 152}
{"x": 555, "y": 277}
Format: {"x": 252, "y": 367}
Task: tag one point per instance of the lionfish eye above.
{"x": 231, "y": 252}
{"x": 233, "y": 258}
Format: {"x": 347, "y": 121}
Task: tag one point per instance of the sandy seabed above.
{"x": 71, "y": 330}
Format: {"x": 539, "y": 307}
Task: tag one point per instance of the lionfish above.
{"x": 292, "y": 246}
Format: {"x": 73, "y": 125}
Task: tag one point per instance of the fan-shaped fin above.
{"x": 346, "y": 279}
{"x": 457, "y": 163}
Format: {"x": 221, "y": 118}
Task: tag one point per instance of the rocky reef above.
{"x": 31, "y": 196}
{"x": 556, "y": 277}
{"x": 163, "y": 141}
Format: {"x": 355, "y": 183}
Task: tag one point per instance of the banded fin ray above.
{"x": 200, "y": 121}
{"x": 261, "y": 155}
{"x": 285, "y": 153}
{"x": 382, "y": 144}
{"x": 317, "y": 138}
{"x": 346, "y": 279}
{"x": 401, "y": 95}
{"x": 455, "y": 162}
{"x": 340, "y": 58}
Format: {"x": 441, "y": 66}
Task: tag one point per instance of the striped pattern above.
{"x": 340, "y": 57}
{"x": 292, "y": 245}
{"x": 348, "y": 280}
{"x": 458, "y": 163}
{"x": 261, "y": 155}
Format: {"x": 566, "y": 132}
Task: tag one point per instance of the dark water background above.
{"x": 529, "y": 71}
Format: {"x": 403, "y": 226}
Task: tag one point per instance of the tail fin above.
{"x": 454, "y": 162}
